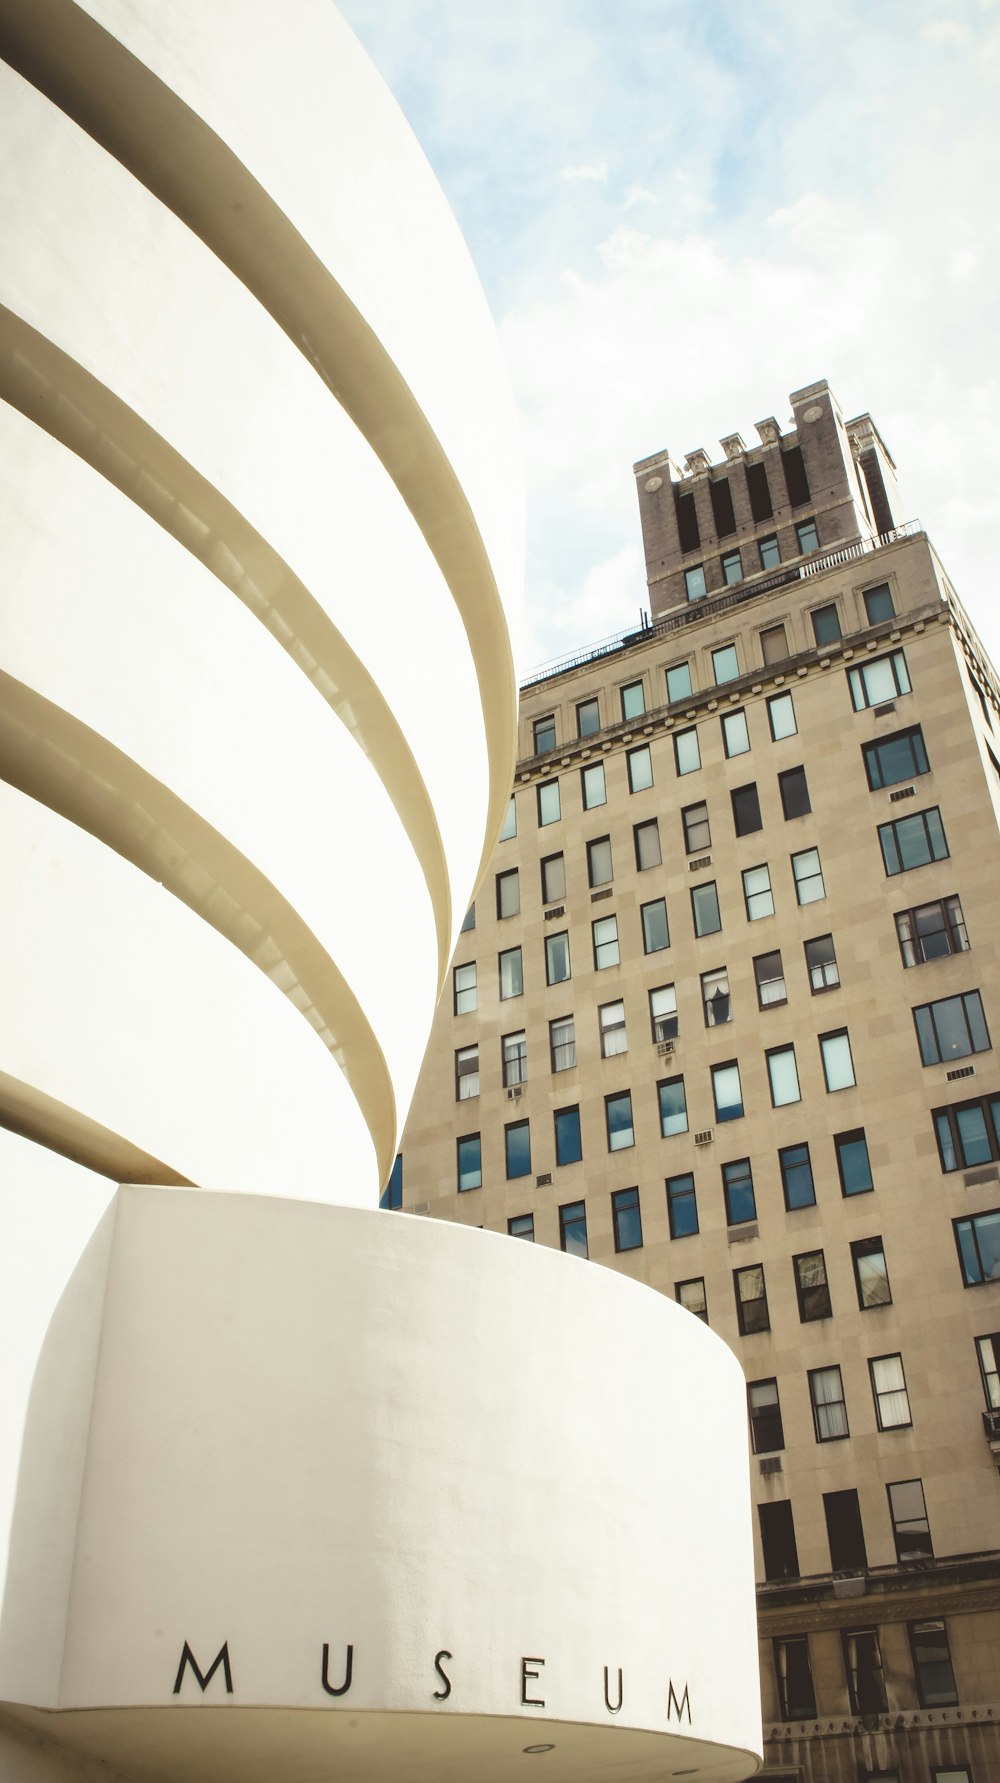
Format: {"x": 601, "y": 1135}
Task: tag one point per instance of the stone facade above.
{"x": 742, "y": 761}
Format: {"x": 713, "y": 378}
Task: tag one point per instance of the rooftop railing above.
{"x": 720, "y": 603}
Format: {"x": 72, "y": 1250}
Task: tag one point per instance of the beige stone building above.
{"x": 722, "y": 1019}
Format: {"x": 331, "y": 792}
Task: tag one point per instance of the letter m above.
{"x": 672, "y": 1703}
{"x": 205, "y": 1679}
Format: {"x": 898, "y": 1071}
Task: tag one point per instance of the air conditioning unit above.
{"x": 665, "y": 1048}
{"x": 543, "y": 1181}
{"x": 515, "y": 1094}
{"x": 770, "y": 1464}
{"x": 705, "y": 1137}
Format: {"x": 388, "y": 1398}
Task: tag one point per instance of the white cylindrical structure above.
{"x": 487, "y": 1481}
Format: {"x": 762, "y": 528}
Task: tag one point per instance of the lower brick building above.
{"x": 721, "y": 1019}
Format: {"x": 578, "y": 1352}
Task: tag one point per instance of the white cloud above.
{"x": 590, "y": 170}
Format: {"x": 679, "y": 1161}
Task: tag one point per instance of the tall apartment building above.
{"x": 721, "y": 1019}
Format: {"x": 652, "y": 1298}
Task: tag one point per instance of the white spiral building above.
{"x": 260, "y": 531}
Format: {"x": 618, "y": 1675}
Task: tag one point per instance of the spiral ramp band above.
{"x": 260, "y": 515}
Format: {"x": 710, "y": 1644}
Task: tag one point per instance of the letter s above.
{"x": 442, "y": 1695}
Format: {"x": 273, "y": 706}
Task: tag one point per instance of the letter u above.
{"x": 613, "y": 1708}
{"x": 337, "y": 1689}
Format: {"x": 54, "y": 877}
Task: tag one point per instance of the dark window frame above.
{"x": 793, "y": 790}
{"x": 872, "y": 755}
{"x": 971, "y": 1051}
{"x": 685, "y": 1197}
{"x": 890, "y": 830}
{"x": 785, "y": 1168}
{"x": 808, "y": 1311}
{"x": 558, "y": 1129}
{"x": 869, "y": 1247}
{"x": 621, "y": 1208}
{"x": 750, "y": 1324}
{"x": 518, "y": 1128}
{"x": 913, "y": 941}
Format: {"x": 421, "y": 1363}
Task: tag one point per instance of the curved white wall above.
{"x": 403, "y": 1458}
{"x": 260, "y": 521}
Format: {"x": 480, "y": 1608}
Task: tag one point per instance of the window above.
{"x": 697, "y": 835}
{"x": 770, "y": 556}
{"x": 562, "y": 1043}
{"x": 544, "y": 732}
{"x": 932, "y": 1667}
{"x": 511, "y": 978}
{"x": 773, "y": 645}
{"x": 549, "y": 808}
{"x": 510, "y": 822}
{"x": 392, "y": 1194}
{"x": 508, "y": 894}
{"x": 951, "y": 1029}
{"x": 808, "y": 539}
{"x": 725, "y": 665}
{"x": 687, "y": 754}
{"x": 900, "y": 756}
{"x": 592, "y": 782}
{"x": 863, "y": 1666}
{"x": 470, "y": 1162}
{"x": 892, "y": 1405}
{"x": 663, "y": 1012}
{"x": 769, "y": 978}
{"x": 465, "y": 991}
{"x": 796, "y": 1176}
{"x": 682, "y": 1208}
{"x": 930, "y": 931}
{"x": 766, "y": 1433}
{"x": 640, "y": 769}
{"x": 912, "y": 842}
{"x": 573, "y": 1228}
{"x": 715, "y": 999}
{"x": 838, "y": 1065}
{"x": 852, "y": 1162}
{"x": 691, "y": 1295}
{"x": 737, "y": 1184}
{"x": 633, "y": 700}
{"x": 878, "y": 604}
{"x": 746, "y": 809}
{"x": 978, "y": 1241}
{"x": 727, "y": 1092}
{"x": 910, "y": 1528}
{"x": 735, "y": 735}
{"x": 679, "y": 682}
{"x": 627, "y": 1218}
{"x": 647, "y": 845}
{"x": 514, "y": 1059}
{"x": 694, "y": 582}
{"x": 826, "y": 1390}
{"x": 871, "y": 1277}
{"x": 588, "y": 718}
{"x": 655, "y": 933}
{"x": 777, "y": 1540}
{"x": 553, "y": 878}
{"x": 618, "y": 1120}
{"x": 845, "y": 1531}
{"x": 522, "y": 1226}
{"x": 826, "y": 624}
{"x": 757, "y": 894}
{"x": 783, "y": 1076}
{"x": 557, "y": 967}
{"x": 468, "y": 920}
{"x": 751, "y": 1300}
{"x": 821, "y": 964}
{"x": 881, "y": 679}
{"x": 705, "y": 908}
{"x": 600, "y": 870}
{"x": 567, "y": 1129}
{"x": 950, "y": 1773}
{"x": 673, "y": 1107}
{"x": 466, "y": 1073}
{"x": 517, "y": 1149}
{"x": 808, "y": 876}
{"x": 794, "y": 793}
{"x": 796, "y": 1695}
{"x": 988, "y": 1352}
{"x": 732, "y": 568}
{"x": 968, "y": 1133}
{"x": 605, "y": 933}
{"x": 781, "y": 717}
{"x": 614, "y": 1038}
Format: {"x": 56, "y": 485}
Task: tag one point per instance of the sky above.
{"x": 682, "y": 210}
